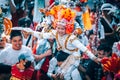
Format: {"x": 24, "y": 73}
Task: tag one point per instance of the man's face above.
{"x": 104, "y": 12}
{"x": 16, "y": 42}
{"x": 101, "y": 54}
{"x": 2, "y": 42}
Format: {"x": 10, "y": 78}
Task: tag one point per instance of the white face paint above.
{"x": 61, "y": 30}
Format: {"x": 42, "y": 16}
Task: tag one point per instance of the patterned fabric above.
{"x": 68, "y": 62}
{"x": 21, "y": 75}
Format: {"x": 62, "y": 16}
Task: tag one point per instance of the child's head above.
{"x": 61, "y": 27}
{"x": 23, "y": 60}
{"x": 61, "y": 57}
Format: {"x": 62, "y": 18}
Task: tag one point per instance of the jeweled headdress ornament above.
{"x": 63, "y": 16}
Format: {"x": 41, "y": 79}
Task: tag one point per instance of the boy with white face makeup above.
{"x": 9, "y": 55}
{"x": 68, "y": 43}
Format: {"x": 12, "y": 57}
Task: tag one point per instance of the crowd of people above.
{"x": 59, "y": 40}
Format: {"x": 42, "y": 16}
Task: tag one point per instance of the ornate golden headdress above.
{"x": 64, "y": 16}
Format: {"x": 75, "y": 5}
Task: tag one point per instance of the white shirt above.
{"x": 29, "y": 43}
{"x": 53, "y": 67}
{"x": 67, "y": 45}
{"x": 9, "y": 56}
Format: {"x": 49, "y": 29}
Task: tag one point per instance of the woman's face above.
{"x": 61, "y": 30}
{"x": 16, "y": 42}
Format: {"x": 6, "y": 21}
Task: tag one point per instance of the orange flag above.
{"x": 86, "y": 20}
